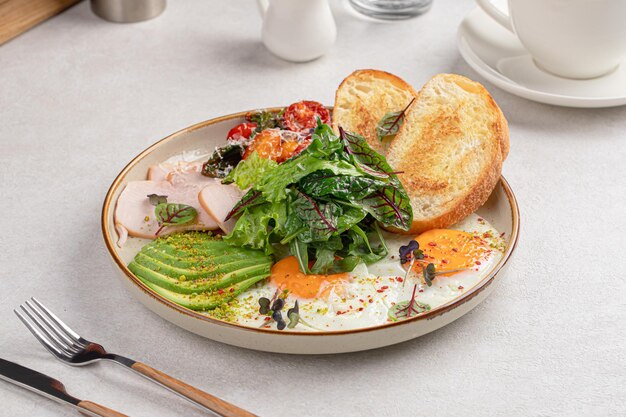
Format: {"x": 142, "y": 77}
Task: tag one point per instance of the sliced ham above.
{"x": 218, "y": 199}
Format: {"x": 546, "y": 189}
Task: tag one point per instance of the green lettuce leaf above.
{"x": 257, "y": 225}
{"x": 324, "y": 143}
{"x": 248, "y": 171}
{"x": 300, "y": 250}
{"x": 274, "y": 183}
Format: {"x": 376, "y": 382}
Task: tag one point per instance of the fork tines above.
{"x": 55, "y": 335}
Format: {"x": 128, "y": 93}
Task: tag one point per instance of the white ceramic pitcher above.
{"x": 297, "y": 30}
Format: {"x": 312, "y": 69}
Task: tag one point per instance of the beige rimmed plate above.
{"x": 500, "y": 210}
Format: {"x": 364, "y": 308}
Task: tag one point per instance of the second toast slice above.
{"x": 450, "y": 150}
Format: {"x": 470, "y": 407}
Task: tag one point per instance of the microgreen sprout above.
{"x": 264, "y": 304}
{"x": 273, "y": 307}
{"x": 278, "y": 318}
{"x": 412, "y": 253}
{"x": 429, "y": 274}
{"x": 405, "y": 309}
{"x": 406, "y": 251}
{"x": 293, "y": 314}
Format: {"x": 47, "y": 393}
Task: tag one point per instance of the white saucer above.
{"x": 496, "y": 54}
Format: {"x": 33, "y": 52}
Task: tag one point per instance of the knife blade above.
{"x": 41, "y": 384}
{"x": 35, "y": 381}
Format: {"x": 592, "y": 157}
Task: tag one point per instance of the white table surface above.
{"x": 80, "y": 97}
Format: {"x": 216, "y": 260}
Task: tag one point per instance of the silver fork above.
{"x": 67, "y": 346}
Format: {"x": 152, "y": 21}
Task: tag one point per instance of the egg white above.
{"x": 373, "y": 289}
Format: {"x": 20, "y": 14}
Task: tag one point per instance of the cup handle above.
{"x": 496, "y": 14}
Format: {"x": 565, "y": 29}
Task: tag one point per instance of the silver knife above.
{"x": 50, "y": 388}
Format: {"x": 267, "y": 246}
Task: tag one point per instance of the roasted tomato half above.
{"x": 302, "y": 116}
{"x": 267, "y": 144}
{"x": 276, "y": 144}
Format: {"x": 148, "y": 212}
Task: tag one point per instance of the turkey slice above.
{"x": 135, "y": 216}
{"x": 218, "y": 200}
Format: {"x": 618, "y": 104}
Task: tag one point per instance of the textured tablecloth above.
{"x": 80, "y": 97}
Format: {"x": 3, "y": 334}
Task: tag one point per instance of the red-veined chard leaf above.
{"x": 391, "y": 206}
{"x": 250, "y": 199}
{"x": 318, "y": 219}
{"x": 171, "y": 214}
{"x": 390, "y": 124}
{"x": 406, "y": 309}
{"x": 325, "y": 183}
{"x": 363, "y": 156}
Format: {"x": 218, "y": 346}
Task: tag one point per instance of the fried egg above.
{"x": 463, "y": 255}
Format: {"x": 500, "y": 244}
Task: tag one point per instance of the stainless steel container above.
{"x": 128, "y": 11}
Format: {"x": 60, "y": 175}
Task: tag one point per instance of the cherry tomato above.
{"x": 303, "y": 115}
{"x": 243, "y": 130}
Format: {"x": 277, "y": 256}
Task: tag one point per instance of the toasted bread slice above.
{"x": 450, "y": 150}
{"x": 364, "y": 97}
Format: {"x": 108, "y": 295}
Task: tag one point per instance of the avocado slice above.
{"x": 198, "y": 270}
{"x": 210, "y": 283}
{"x": 201, "y": 270}
{"x": 206, "y": 300}
{"x": 207, "y": 252}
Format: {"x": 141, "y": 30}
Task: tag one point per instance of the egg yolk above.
{"x": 286, "y": 275}
{"x": 452, "y": 249}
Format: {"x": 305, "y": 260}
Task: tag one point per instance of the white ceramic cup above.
{"x": 569, "y": 38}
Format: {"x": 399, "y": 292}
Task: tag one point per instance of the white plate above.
{"x": 496, "y": 54}
{"x": 500, "y": 210}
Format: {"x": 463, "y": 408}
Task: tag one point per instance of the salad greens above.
{"x": 265, "y": 120}
{"x": 325, "y": 203}
{"x": 222, "y": 160}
